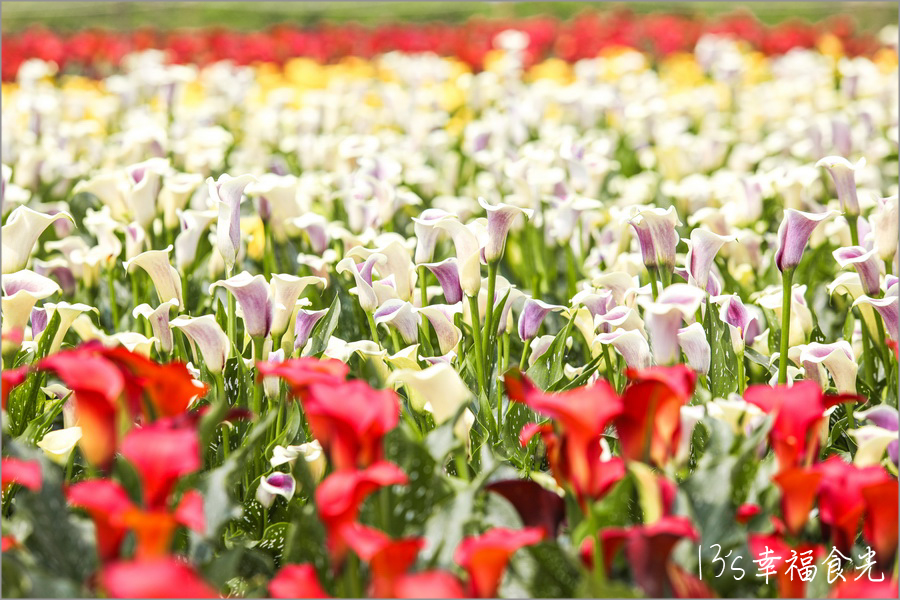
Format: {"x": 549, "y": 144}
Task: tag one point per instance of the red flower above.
{"x": 789, "y": 583}
{"x": 157, "y": 578}
{"x": 388, "y": 559}
{"x": 153, "y": 531}
{"x": 798, "y": 493}
{"x": 746, "y": 512}
{"x": 300, "y": 373}
{"x": 190, "y": 512}
{"x": 340, "y": 495}
{"x": 161, "y": 456}
{"x": 687, "y": 585}
{"x": 863, "y": 588}
{"x": 611, "y": 540}
{"x": 297, "y": 581}
{"x": 7, "y": 543}
{"x": 537, "y": 506}
{"x": 841, "y": 502}
{"x": 105, "y": 501}
{"x": 485, "y": 557}
{"x": 647, "y": 548}
{"x": 880, "y": 519}
{"x": 799, "y": 413}
{"x": 581, "y": 416}
{"x": 10, "y": 379}
{"x": 428, "y": 584}
{"x": 650, "y": 424}
{"x": 351, "y": 429}
{"x": 26, "y": 473}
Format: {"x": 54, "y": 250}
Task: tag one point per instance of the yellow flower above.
{"x": 256, "y": 236}
{"x": 554, "y": 69}
{"x": 830, "y": 45}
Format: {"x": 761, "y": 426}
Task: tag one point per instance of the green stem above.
{"x": 232, "y": 314}
{"x": 113, "y": 305}
{"x": 257, "y": 386}
{"x": 868, "y": 349}
{"x": 571, "y": 271}
{"x": 599, "y": 565}
{"x": 854, "y": 230}
{"x": 786, "y": 290}
{"x": 610, "y": 372}
{"x": 476, "y": 338}
{"x": 395, "y": 340}
{"x": 524, "y": 358}
{"x": 373, "y": 329}
{"x": 652, "y": 271}
{"x": 742, "y": 382}
{"x": 489, "y": 333}
{"x": 889, "y": 266}
{"x": 423, "y": 293}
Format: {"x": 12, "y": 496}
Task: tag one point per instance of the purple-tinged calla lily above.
{"x": 468, "y": 253}
{"x": 837, "y": 358}
{"x": 630, "y": 344}
{"x": 598, "y": 302}
{"x": 441, "y": 318}
{"x": 385, "y": 289}
{"x": 303, "y": 325}
{"x": 102, "y": 226}
{"x": 271, "y": 383}
{"x": 865, "y": 263}
{"x": 21, "y": 291}
{"x": 177, "y": 189}
{"x": 316, "y": 228}
{"x": 225, "y": 194}
{"x": 285, "y": 290}
{"x": 143, "y": 184}
{"x": 67, "y": 315}
{"x": 887, "y": 307}
{"x": 663, "y": 319}
{"x": 703, "y": 246}
{"x": 109, "y": 188}
{"x": 278, "y": 201}
{"x": 742, "y": 324}
{"x": 57, "y": 268}
{"x": 793, "y": 235}
{"x": 362, "y": 273}
{"x": 883, "y": 418}
{"x": 205, "y": 335}
{"x": 135, "y": 240}
{"x": 620, "y": 317}
{"x": 401, "y": 316}
{"x": 396, "y": 263}
{"x": 695, "y": 346}
{"x": 439, "y": 390}
{"x": 843, "y": 172}
{"x": 159, "y": 322}
{"x": 342, "y": 350}
{"x": 426, "y": 234}
{"x": 311, "y": 452}
{"x": 655, "y": 228}
{"x": 500, "y": 220}
{"x": 532, "y": 315}
{"x": 884, "y": 222}
{"x": 447, "y": 274}
{"x": 194, "y": 224}
{"x": 132, "y": 341}
{"x": 38, "y": 322}
{"x": 165, "y": 277}
{"x": 252, "y": 295}
{"x": 20, "y": 233}
{"x": 623, "y": 286}
{"x": 276, "y": 484}
{"x": 539, "y": 347}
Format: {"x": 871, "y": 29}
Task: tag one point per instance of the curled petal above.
{"x": 793, "y": 235}
{"x": 441, "y": 318}
{"x": 532, "y": 316}
{"x": 286, "y": 289}
{"x": 226, "y": 194}
{"x": 887, "y": 307}
{"x": 447, "y": 273}
{"x": 402, "y": 317}
{"x": 426, "y": 234}
{"x": 884, "y": 222}
{"x": 303, "y": 326}
{"x": 159, "y": 322}
{"x": 438, "y": 385}
{"x": 843, "y": 173}
{"x": 655, "y": 228}
{"x": 252, "y": 294}
{"x": 396, "y": 263}
{"x": 21, "y": 232}
{"x": 630, "y": 344}
{"x": 838, "y": 359}
{"x": 693, "y": 342}
{"x": 362, "y": 273}
{"x": 194, "y": 224}
{"x": 500, "y": 220}
{"x": 276, "y": 484}
{"x": 865, "y": 263}
{"x": 702, "y": 249}
{"x": 166, "y": 278}
{"x": 21, "y": 290}
{"x": 209, "y": 338}
{"x": 468, "y": 252}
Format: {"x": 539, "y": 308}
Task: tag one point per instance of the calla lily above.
{"x": 655, "y": 228}
{"x": 693, "y": 342}
{"x": 622, "y": 286}
{"x": 194, "y": 224}
{"x": 311, "y": 452}
{"x": 441, "y": 318}
{"x": 276, "y": 484}
{"x": 532, "y": 316}
{"x": 21, "y": 232}
{"x": 166, "y": 278}
{"x": 133, "y": 342}
{"x": 252, "y": 295}
{"x": 225, "y": 194}
{"x": 597, "y": 302}
{"x": 362, "y": 273}
{"x": 884, "y": 418}
{"x": 838, "y": 359}
{"x": 296, "y": 581}
{"x": 630, "y": 344}
{"x": 736, "y": 412}
{"x": 793, "y": 235}
{"x": 278, "y": 201}
{"x": 468, "y": 254}
{"x": 285, "y": 290}
{"x": 871, "y": 443}
{"x": 447, "y": 274}
{"x": 154, "y": 578}
{"x": 843, "y": 172}
{"x": 143, "y": 184}
{"x": 303, "y": 325}
{"x": 401, "y": 316}
{"x": 396, "y": 263}
{"x": 21, "y": 290}
{"x": 58, "y": 444}
{"x": 500, "y": 219}
{"x": 885, "y": 227}
{"x": 663, "y": 319}
{"x": 439, "y": 390}
{"x": 67, "y": 315}
{"x": 620, "y": 317}
{"x": 159, "y": 322}
{"x": 742, "y": 325}
{"x": 426, "y": 234}
{"x": 177, "y": 189}
{"x": 485, "y": 557}
{"x": 205, "y": 334}
{"x": 887, "y": 307}
{"x": 865, "y": 264}
{"x": 702, "y": 249}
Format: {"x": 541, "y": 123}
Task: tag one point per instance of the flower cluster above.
{"x": 404, "y": 328}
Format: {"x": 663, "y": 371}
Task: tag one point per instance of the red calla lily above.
{"x": 650, "y": 424}
{"x": 485, "y": 557}
{"x": 297, "y": 581}
{"x": 687, "y": 585}
{"x": 106, "y": 502}
{"x": 880, "y": 519}
{"x": 300, "y": 373}
{"x": 864, "y": 588}
{"x": 799, "y": 413}
{"x": 153, "y": 530}
{"x": 26, "y": 473}
{"x": 648, "y": 547}
{"x": 746, "y": 512}
{"x": 10, "y": 379}
{"x": 157, "y": 578}
{"x": 537, "y": 506}
{"x": 161, "y": 456}
{"x": 340, "y": 495}
{"x": 798, "y": 493}
{"x": 190, "y": 512}
{"x": 611, "y": 540}
{"x": 388, "y": 559}
{"x": 428, "y": 584}
{"x": 788, "y": 582}
{"x": 350, "y": 420}
{"x": 841, "y": 502}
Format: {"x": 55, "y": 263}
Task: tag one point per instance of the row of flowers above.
{"x": 98, "y": 51}
{"x": 401, "y": 329}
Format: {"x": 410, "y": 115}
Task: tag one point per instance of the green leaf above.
{"x": 324, "y": 328}
{"x": 548, "y": 368}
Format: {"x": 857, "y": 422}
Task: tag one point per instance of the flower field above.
{"x": 604, "y": 307}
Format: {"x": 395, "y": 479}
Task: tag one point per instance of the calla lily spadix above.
{"x": 165, "y": 277}
{"x": 225, "y": 194}
{"x": 500, "y": 219}
{"x": 21, "y": 291}
{"x": 159, "y": 322}
{"x": 21, "y": 232}
{"x": 843, "y": 172}
{"x": 205, "y": 335}
{"x": 252, "y": 295}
